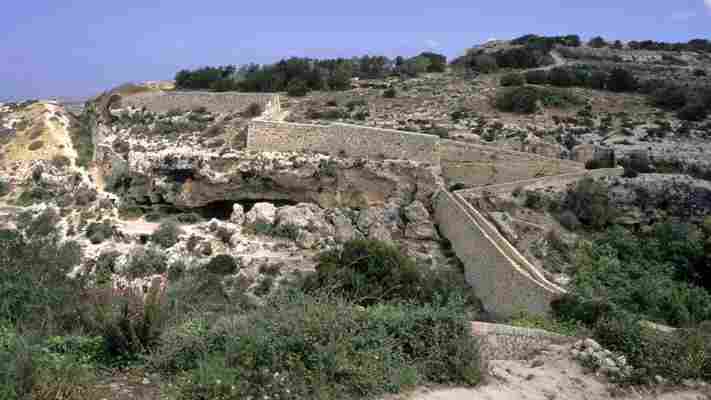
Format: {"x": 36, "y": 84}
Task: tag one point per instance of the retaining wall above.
{"x": 479, "y": 165}
{"x": 351, "y": 140}
{"x": 506, "y": 283}
{"x": 162, "y": 102}
{"x": 556, "y": 181}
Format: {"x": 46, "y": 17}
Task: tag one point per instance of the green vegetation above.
{"x": 97, "y": 232}
{"x": 663, "y": 275}
{"x": 205, "y": 336}
{"x": 80, "y": 133}
{"x": 524, "y": 99}
{"x": 588, "y": 200}
{"x": 166, "y": 235}
{"x": 512, "y": 80}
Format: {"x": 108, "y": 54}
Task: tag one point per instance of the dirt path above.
{"x": 550, "y": 376}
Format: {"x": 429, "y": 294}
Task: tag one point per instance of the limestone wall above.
{"x": 478, "y": 165}
{"x": 493, "y": 267}
{"x": 351, "y": 140}
{"x": 161, "y": 102}
{"x": 504, "y": 342}
{"x": 558, "y": 182}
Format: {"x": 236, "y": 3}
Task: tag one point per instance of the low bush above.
{"x": 537, "y": 77}
{"x": 694, "y": 111}
{"x": 35, "y": 290}
{"x": 669, "y": 97}
{"x": 297, "y": 88}
{"x": 524, "y": 99}
{"x": 588, "y": 200}
{"x": 319, "y": 347}
{"x": 563, "y": 77}
{"x": 97, "y": 232}
{"x": 369, "y": 272}
{"x": 390, "y": 93}
{"x": 166, "y": 235}
{"x": 253, "y": 110}
{"x": 512, "y": 80}
{"x": 521, "y": 100}
{"x": 222, "y": 264}
{"x": 31, "y": 370}
{"x": 145, "y": 262}
{"x": 621, "y": 80}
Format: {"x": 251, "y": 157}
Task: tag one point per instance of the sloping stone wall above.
{"x": 556, "y": 181}
{"x": 504, "y": 287}
{"x": 342, "y": 139}
{"x": 479, "y": 165}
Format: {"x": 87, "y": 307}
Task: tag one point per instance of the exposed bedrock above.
{"x": 195, "y": 179}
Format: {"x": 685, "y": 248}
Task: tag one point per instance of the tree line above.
{"x": 304, "y": 74}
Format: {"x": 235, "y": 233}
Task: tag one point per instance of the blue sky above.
{"x": 81, "y": 47}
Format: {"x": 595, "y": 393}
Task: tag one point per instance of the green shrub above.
{"x": 589, "y": 201}
{"x": 222, "y": 264}
{"x": 97, "y": 232}
{"x": 597, "y": 80}
{"x": 318, "y": 347}
{"x": 297, "y": 88}
{"x": 537, "y": 77}
{"x": 522, "y": 99}
{"x": 621, "y": 80}
{"x": 563, "y": 77}
{"x": 35, "y": 290}
{"x": 512, "y": 80}
{"x": 568, "y": 219}
{"x": 390, "y": 93}
{"x": 166, "y": 235}
{"x": 669, "y": 97}
{"x": 29, "y": 370}
{"x": 694, "y": 111}
{"x": 484, "y": 63}
{"x": 253, "y": 110}
{"x": 368, "y": 272}
{"x": 145, "y": 262}
{"x": 438, "y": 62}
{"x": 130, "y": 323}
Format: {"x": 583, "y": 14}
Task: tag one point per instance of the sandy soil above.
{"x": 550, "y": 376}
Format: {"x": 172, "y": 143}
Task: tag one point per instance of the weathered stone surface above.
{"x": 304, "y": 223}
{"x": 343, "y": 226}
{"x": 237, "y": 216}
{"x": 419, "y": 223}
{"x": 261, "y": 216}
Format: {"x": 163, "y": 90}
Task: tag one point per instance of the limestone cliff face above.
{"x": 194, "y": 178}
{"x": 146, "y": 166}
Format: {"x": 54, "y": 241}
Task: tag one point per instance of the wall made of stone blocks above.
{"x": 503, "y": 287}
{"x": 557, "y": 182}
{"x": 162, "y": 102}
{"x": 343, "y": 139}
{"x": 479, "y": 165}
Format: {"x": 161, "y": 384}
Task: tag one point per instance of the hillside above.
{"x": 531, "y": 219}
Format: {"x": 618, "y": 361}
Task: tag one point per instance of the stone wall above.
{"x": 556, "y": 182}
{"x": 343, "y": 139}
{"x": 161, "y": 102}
{"x": 504, "y": 342}
{"x": 478, "y": 165}
{"x": 504, "y": 281}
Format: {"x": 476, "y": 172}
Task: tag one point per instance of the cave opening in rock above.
{"x": 222, "y": 209}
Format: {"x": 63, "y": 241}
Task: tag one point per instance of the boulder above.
{"x": 237, "y": 216}
{"x": 343, "y": 226}
{"x": 261, "y": 217}
{"x": 304, "y": 223}
{"x": 419, "y": 224}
